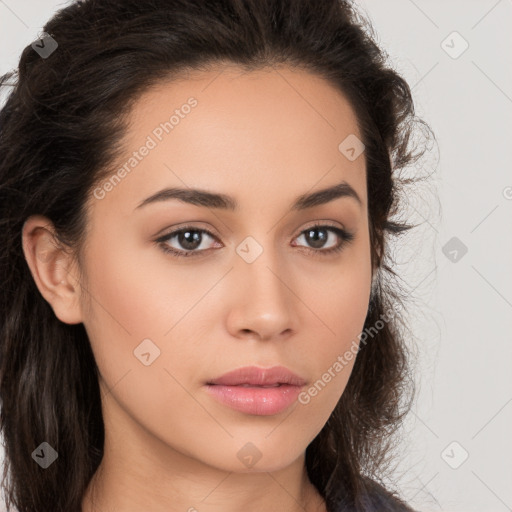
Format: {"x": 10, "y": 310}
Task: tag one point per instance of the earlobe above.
{"x": 52, "y": 269}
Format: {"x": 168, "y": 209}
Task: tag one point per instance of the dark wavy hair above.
{"x": 62, "y": 126}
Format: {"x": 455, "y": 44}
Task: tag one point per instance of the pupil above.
{"x": 316, "y": 241}
{"x": 189, "y": 240}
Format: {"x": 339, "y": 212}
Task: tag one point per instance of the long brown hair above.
{"x": 60, "y": 129}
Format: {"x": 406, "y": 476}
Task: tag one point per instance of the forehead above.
{"x": 242, "y": 132}
{"x": 270, "y": 95}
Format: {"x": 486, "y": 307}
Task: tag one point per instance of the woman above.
{"x": 195, "y": 205}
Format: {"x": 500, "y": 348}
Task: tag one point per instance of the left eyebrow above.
{"x": 222, "y": 201}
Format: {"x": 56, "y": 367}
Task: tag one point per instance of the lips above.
{"x": 253, "y": 376}
{"x": 257, "y": 391}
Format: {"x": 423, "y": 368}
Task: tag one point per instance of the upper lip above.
{"x": 256, "y": 376}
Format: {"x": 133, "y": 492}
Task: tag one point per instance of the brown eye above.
{"x": 318, "y": 236}
{"x": 188, "y": 240}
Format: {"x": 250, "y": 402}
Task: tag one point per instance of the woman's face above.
{"x": 261, "y": 290}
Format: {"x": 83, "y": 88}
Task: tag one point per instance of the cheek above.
{"x": 130, "y": 304}
{"x": 339, "y": 305}
{"x": 144, "y": 340}
{"x": 135, "y": 291}
{"x": 149, "y": 319}
{"x": 345, "y": 307}
{"x": 338, "y": 296}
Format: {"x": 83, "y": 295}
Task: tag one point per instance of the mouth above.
{"x": 257, "y": 391}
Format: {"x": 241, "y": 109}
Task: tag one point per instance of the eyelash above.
{"x": 345, "y": 237}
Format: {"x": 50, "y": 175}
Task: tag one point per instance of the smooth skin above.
{"x": 263, "y": 137}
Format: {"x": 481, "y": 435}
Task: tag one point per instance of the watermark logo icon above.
{"x": 351, "y": 147}
{"x": 249, "y": 249}
{"x": 45, "y": 46}
{"x": 146, "y": 352}
{"x": 454, "y": 455}
{"x": 45, "y": 455}
{"x": 454, "y": 249}
{"x": 249, "y": 454}
{"x": 454, "y": 45}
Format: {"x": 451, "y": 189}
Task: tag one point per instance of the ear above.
{"x": 52, "y": 268}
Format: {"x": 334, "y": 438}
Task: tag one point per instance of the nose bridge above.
{"x": 259, "y": 264}
{"x": 265, "y": 301}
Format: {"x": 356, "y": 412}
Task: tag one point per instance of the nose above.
{"x": 262, "y": 303}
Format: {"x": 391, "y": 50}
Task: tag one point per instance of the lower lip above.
{"x": 255, "y": 400}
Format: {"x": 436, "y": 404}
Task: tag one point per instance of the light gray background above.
{"x": 462, "y": 310}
